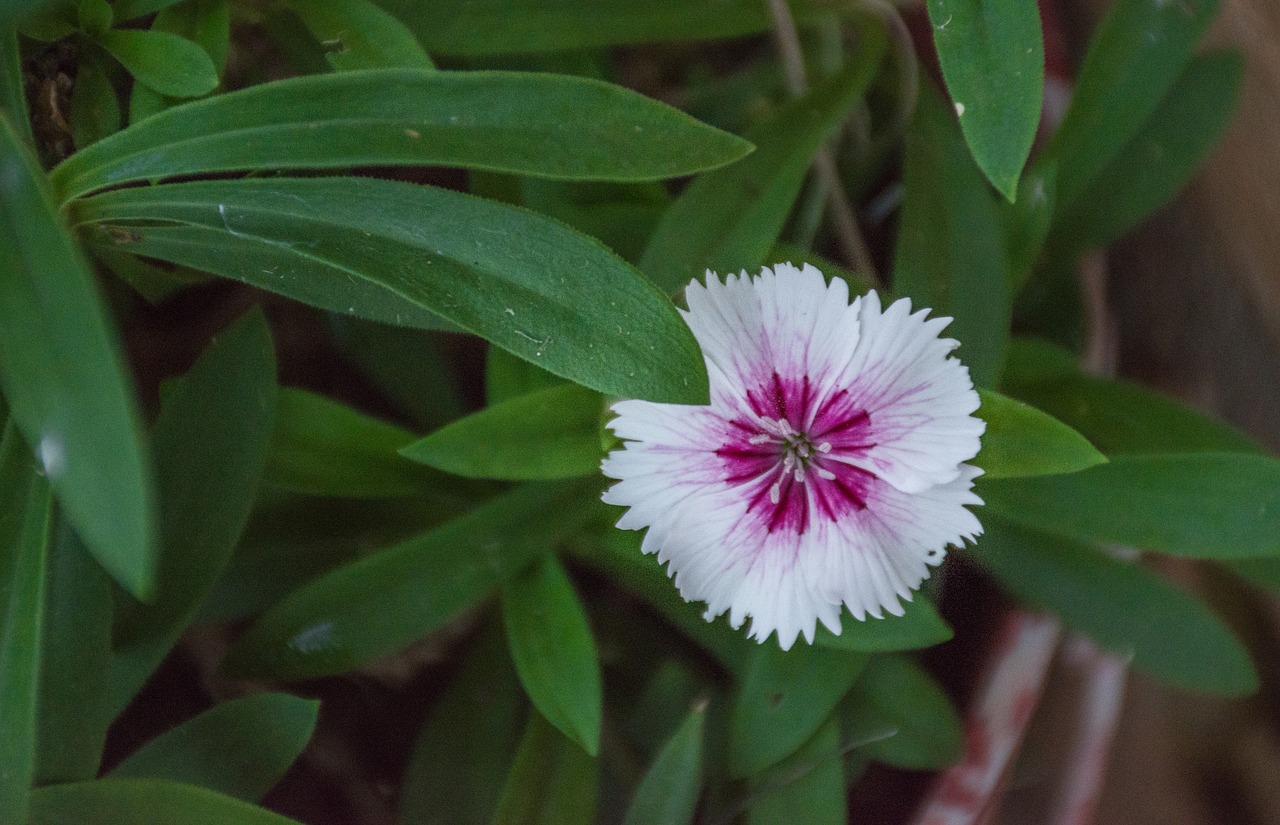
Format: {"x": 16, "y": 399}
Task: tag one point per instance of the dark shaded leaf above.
{"x": 1126, "y": 608}
{"x": 25, "y": 506}
{"x": 669, "y": 791}
{"x": 143, "y": 802}
{"x": 357, "y": 34}
{"x": 380, "y": 603}
{"x": 210, "y": 442}
{"x": 463, "y": 754}
{"x": 895, "y": 695}
{"x": 553, "y": 781}
{"x": 75, "y": 708}
{"x": 240, "y": 747}
{"x": 729, "y": 219}
{"x": 951, "y": 254}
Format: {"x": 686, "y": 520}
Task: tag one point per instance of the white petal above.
{"x": 919, "y": 399}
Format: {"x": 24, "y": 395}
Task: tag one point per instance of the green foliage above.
{"x": 358, "y": 246}
{"x": 24, "y": 539}
{"x": 1127, "y": 609}
{"x": 784, "y": 699}
{"x": 546, "y": 434}
{"x": 380, "y": 603}
{"x": 951, "y": 254}
{"x": 477, "y": 203}
{"x": 554, "y": 652}
{"x": 511, "y": 122}
{"x": 899, "y": 715}
{"x": 1023, "y": 441}
{"x": 65, "y": 381}
{"x": 992, "y": 56}
{"x": 240, "y": 747}
{"x": 729, "y": 219}
{"x": 669, "y": 791}
{"x": 1202, "y": 505}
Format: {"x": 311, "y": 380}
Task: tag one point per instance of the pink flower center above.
{"x": 787, "y": 455}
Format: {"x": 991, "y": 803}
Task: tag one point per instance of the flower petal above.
{"x": 918, "y": 399}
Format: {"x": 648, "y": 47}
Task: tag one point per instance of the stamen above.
{"x": 799, "y": 471}
{"x": 760, "y": 439}
{"x": 785, "y": 426}
{"x": 827, "y": 474}
{"x": 803, "y": 449}
{"x": 824, "y": 447}
{"x": 775, "y": 492}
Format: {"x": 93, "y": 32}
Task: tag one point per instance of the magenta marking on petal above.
{"x": 838, "y": 422}
{"x": 782, "y": 399}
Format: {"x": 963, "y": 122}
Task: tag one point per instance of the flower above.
{"x": 827, "y": 470}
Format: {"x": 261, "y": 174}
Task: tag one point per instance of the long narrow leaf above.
{"x": 65, "y": 381}
{"x": 397, "y": 253}
{"x": 548, "y": 125}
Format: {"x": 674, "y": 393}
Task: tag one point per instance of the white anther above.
{"x": 775, "y": 492}
{"x": 799, "y": 473}
{"x": 824, "y": 447}
{"x": 827, "y": 474}
{"x": 760, "y": 439}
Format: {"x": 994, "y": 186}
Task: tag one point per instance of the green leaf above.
{"x": 668, "y": 793}
{"x": 896, "y": 695}
{"x": 729, "y": 219}
{"x": 325, "y": 448}
{"x": 210, "y": 442}
{"x": 397, "y": 252}
{"x": 1023, "y": 441}
{"x": 1127, "y": 609}
{"x": 143, "y": 802}
{"x": 617, "y": 555}
{"x": 1033, "y": 360}
{"x": 784, "y": 698}
{"x": 919, "y": 626}
{"x": 1201, "y": 505}
{"x": 163, "y": 62}
{"x": 1160, "y": 157}
{"x": 65, "y": 381}
{"x": 1262, "y": 572}
{"x": 553, "y": 781}
{"x": 75, "y": 663}
{"x": 548, "y": 125}
{"x": 548, "y": 434}
{"x": 13, "y": 99}
{"x": 1029, "y": 220}
{"x": 25, "y": 506}
{"x": 496, "y": 27}
{"x": 383, "y": 602}
{"x": 1133, "y": 61}
{"x": 1120, "y": 417}
{"x": 554, "y": 651}
{"x": 507, "y": 377}
{"x": 95, "y": 108}
{"x": 992, "y": 57}
{"x": 808, "y": 787}
{"x": 951, "y": 253}
{"x": 207, "y": 23}
{"x": 357, "y": 34}
{"x": 130, "y": 9}
{"x": 240, "y": 747}
{"x": 460, "y": 762}
{"x": 94, "y": 16}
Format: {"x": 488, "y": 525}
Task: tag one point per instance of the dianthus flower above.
{"x": 827, "y": 470}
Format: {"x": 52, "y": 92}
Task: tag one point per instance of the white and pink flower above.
{"x": 828, "y": 469}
